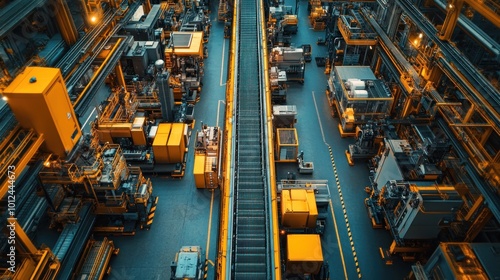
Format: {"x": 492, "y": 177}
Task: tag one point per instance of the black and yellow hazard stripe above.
{"x": 349, "y": 233}
{"x": 151, "y": 214}
{"x": 205, "y": 269}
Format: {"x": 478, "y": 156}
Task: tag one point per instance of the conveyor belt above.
{"x": 251, "y": 231}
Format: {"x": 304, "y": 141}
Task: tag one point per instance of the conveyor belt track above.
{"x": 251, "y": 237}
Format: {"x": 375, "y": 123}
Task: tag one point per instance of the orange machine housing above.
{"x": 304, "y": 253}
{"x": 39, "y": 99}
{"x": 199, "y": 170}
{"x": 176, "y": 144}
{"x": 160, "y": 150}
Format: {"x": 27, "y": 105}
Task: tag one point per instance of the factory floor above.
{"x": 183, "y": 216}
{"x": 320, "y": 140}
{"x": 187, "y": 216}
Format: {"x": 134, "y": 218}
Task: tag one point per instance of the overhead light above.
{"x": 4, "y": 98}
{"x": 93, "y": 19}
{"x": 420, "y": 35}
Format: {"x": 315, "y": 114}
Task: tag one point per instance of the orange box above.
{"x": 199, "y": 170}
{"x": 137, "y": 131}
{"x": 176, "y": 145}
{"x": 160, "y": 148}
{"x": 304, "y": 253}
{"x": 39, "y": 99}
{"x": 164, "y": 128}
{"x": 298, "y": 208}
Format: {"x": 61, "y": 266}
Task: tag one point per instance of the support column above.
{"x": 453, "y": 12}
{"x": 66, "y": 23}
{"x": 146, "y": 6}
{"x": 23, "y": 242}
{"x": 119, "y": 75}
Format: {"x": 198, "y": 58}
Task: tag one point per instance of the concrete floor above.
{"x": 183, "y": 212}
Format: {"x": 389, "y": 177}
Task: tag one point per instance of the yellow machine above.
{"x": 170, "y": 142}
{"x": 304, "y": 209}
{"x": 97, "y": 254}
{"x": 317, "y": 17}
{"x": 304, "y": 255}
{"x": 121, "y": 194}
{"x": 184, "y": 59}
{"x": 207, "y": 158}
{"x": 39, "y": 100}
{"x": 298, "y": 208}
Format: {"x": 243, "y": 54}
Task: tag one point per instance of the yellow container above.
{"x": 104, "y": 136}
{"x": 298, "y": 208}
{"x": 304, "y": 253}
{"x": 294, "y": 208}
{"x": 39, "y": 99}
{"x": 138, "y": 136}
{"x": 313, "y": 209}
{"x": 199, "y": 170}
{"x": 120, "y": 130}
{"x": 176, "y": 145}
{"x": 164, "y": 128}
{"x": 160, "y": 148}
{"x": 287, "y": 145}
{"x": 137, "y": 131}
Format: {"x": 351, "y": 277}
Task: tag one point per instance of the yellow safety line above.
{"x": 351, "y": 242}
{"x": 209, "y": 223}
{"x": 338, "y": 238}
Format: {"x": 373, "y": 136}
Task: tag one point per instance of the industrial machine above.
{"x": 307, "y": 52}
{"x": 414, "y": 213}
{"x": 305, "y": 167}
{"x": 369, "y": 142}
{"x": 184, "y": 56}
{"x": 357, "y": 97}
{"x": 281, "y": 25}
{"x": 290, "y": 60}
{"x": 95, "y": 259}
{"x": 122, "y": 196}
{"x": 303, "y": 211}
{"x": 459, "y": 260}
{"x": 286, "y": 138}
{"x": 317, "y": 16}
{"x": 188, "y": 264}
{"x": 277, "y": 79}
{"x": 207, "y": 157}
